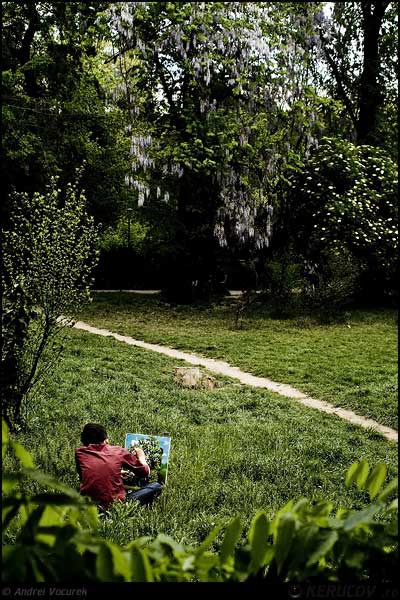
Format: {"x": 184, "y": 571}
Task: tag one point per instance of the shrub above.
{"x": 331, "y": 284}
{"x": 55, "y": 541}
{"x": 48, "y": 256}
{"x": 346, "y": 201}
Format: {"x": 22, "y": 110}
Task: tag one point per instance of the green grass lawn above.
{"x": 351, "y": 364}
{"x": 235, "y": 449}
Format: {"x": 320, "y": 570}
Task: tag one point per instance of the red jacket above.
{"x": 99, "y": 469}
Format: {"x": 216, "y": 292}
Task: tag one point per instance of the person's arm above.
{"x": 136, "y": 463}
{"x": 78, "y": 466}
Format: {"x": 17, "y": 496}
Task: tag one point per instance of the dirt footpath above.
{"x": 223, "y": 368}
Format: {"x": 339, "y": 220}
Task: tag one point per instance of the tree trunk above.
{"x": 363, "y": 109}
{"x": 370, "y": 95}
{"x": 192, "y": 267}
{"x": 31, "y": 86}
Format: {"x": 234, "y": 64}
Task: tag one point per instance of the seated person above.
{"x": 99, "y": 469}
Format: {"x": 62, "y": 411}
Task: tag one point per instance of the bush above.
{"x": 48, "y": 256}
{"x": 325, "y": 286}
{"x": 331, "y": 284}
{"x": 346, "y": 201}
{"x": 55, "y": 540}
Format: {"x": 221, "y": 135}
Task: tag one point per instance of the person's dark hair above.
{"x": 93, "y": 433}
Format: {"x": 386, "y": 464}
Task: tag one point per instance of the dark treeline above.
{"x": 242, "y": 145}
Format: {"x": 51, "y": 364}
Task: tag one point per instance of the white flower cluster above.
{"x": 238, "y": 39}
{"x": 142, "y": 189}
{"x": 121, "y": 17}
{"x": 176, "y": 169}
{"x": 227, "y": 39}
{"x": 240, "y": 208}
{"x": 139, "y": 145}
{"x": 219, "y": 231}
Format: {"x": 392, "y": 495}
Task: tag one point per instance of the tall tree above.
{"x": 219, "y": 100}
{"x": 55, "y": 114}
{"x": 360, "y": 47}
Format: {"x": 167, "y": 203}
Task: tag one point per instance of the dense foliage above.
{"x": 193, "y": 116}
{"x": 212, "y": 123}
{"x": 345, "y": 204}
{"x": 359, "y": 43}
{"x": 55, "y": 112}
{"x": 49, "y": 252}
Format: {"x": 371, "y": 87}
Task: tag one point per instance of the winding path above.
{"x": 223, "y": 368}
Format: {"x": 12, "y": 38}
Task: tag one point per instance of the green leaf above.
{"x": 5, "y": 438}
{"x": 86, "y": 515}
{"x": 43, "y": 556}
{"x": 14, "y": 562}
{"x": 104, "y": 563}
{"x": 350, "y": 475}
{"x": 288, "y": 507}
{"x": 325, "y": 541}
{"x": 29, "y": 531}
{"x": 140, "y": 566}
{"x": 231, "y": 537}
{"x": 206, "y": 567}
{"x": 258, "y": 538}
{"x": 284, "y": 535}
{"x": 361, "y": 517}
{"x": 51, "y": 517}
{"x": 139, "y": 542}
{"x": 322, "y": 509}
{"x": 34, "y": 567}
{"x": 188, "y": 563}
{"x": 355, "y": 560}
{"x": 169, "y": 542}
{"x": 342, "y": 513}
{"x": 301, "y": 505}
{"x": 376, "y": 479}
{"x": 8, "y": 513}
{"x": 361, "y": 474}
{"x": 8, "y": 483}
{"x": 84, "y": 540}
{"x": 206, "y": 543}
{"x": 121, "y": 566}
{"x": 305, "y": 541}
{"x": 24, "y": 456}
{"x": 389, "y": 489}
